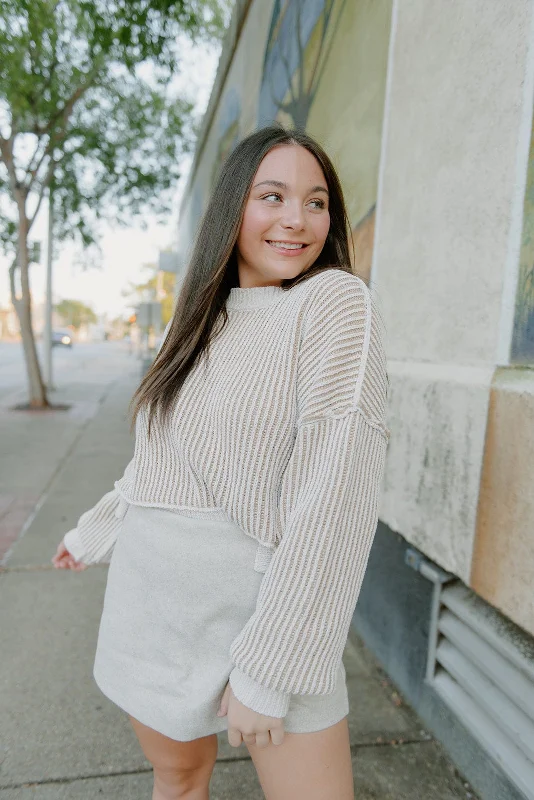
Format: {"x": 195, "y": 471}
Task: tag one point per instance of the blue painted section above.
{"x": 282, "y": 51}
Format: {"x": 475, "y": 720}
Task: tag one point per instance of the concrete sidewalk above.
{"x": 60, "y": 737}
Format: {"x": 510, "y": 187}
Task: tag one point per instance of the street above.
{"x": 61, "y": 739}
{"x": 84, "y": 362}
{"x": 35, "y": 443}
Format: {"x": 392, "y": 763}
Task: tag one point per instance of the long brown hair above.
{"x": 212, "y": 270}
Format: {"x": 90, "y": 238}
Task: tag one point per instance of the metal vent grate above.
{"x": 483, "y": 668}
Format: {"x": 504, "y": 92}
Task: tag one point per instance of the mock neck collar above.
{"x": 254, "y": 296}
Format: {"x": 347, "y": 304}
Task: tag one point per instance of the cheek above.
{"x": 255, "y": 222}
{"x": 321, "y": 226}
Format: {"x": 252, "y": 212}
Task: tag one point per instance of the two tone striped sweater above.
{"x": 281, "y": 430}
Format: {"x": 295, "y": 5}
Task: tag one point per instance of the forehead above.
{"x": 290, "y": 163}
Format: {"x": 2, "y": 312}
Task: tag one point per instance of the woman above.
{"x": 240, "y": 531}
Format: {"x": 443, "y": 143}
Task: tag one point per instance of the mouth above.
{"x": 288, "y": 248}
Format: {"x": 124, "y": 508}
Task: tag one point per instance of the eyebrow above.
{"x": 282, "y": 185}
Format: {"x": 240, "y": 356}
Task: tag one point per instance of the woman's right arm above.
{"x": 93, "y": 539}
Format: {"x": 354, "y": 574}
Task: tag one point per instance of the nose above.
{"x": 293, "y": 217}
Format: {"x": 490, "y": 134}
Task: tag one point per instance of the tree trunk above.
{"x": 36, "y": 388}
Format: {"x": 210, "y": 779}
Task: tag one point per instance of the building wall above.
{"x": 426, "y": 109}
{"x": 455, "y": 161}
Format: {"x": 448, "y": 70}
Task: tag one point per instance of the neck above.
{"x": 254, "y": 296}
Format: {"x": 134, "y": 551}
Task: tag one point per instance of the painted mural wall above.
{"x": 523, "y": 341}
{"x": 319, "y": 65}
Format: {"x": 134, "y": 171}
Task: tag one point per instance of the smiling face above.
{"x": 286, "y": 218}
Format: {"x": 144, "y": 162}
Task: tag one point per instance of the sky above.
{"x": 125, "y": 251}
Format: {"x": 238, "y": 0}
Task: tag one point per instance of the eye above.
{"x": 320, "y": 203}
{"x": 271, "y": 194}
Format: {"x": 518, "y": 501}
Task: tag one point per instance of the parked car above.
{"x": 61, "y": 338}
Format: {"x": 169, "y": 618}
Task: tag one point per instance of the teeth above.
{"x": 286, "y": 245}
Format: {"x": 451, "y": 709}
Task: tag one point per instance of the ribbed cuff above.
{"x": 74, "y": 545}
{"x": 259, "y": 698}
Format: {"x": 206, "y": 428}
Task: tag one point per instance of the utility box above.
{"x": 169, "y": 261}
{"x": 149, "y": 315}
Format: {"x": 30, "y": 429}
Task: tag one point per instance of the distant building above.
{"x": 9, "y": 324}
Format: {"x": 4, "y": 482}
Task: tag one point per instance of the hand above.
{"x": 64, "y": 560}
{"x": 247, "y": 725}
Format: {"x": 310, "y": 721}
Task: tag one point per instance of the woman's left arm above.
{"x": 294, "y": 641}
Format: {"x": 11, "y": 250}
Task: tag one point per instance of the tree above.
{"x": 75, "y": 313}
{"x": 87, "y": 112}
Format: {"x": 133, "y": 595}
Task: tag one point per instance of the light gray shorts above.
{"x": 179, "y": 590}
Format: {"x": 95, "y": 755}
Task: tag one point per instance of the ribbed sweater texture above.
{"x": 282, "y": 430}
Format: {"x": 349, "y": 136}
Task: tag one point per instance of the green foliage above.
{"x": 75, "y": 313}
{"x": 88, "y": 109}
{"x": 87, "y": 104}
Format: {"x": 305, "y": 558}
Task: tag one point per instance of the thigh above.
{"x": 170, "y": 755}
{"x": 307, "y": 766}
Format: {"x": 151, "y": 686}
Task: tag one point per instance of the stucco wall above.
{"x": 448, "y": 204}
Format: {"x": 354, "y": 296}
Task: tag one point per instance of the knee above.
{"x": 183, "y": 775}
{"x": 186, "y": 764}
{"x": 172, "y": 784}
{"x": 181, "y": 769}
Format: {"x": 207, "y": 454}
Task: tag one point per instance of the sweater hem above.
{"x": 188, "y": 511}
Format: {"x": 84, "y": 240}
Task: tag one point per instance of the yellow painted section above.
{"x": 503, "y": 556}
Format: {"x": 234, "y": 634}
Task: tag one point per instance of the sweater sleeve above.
{"x": 93, "y": 539}
{"x": 294, "y": 641}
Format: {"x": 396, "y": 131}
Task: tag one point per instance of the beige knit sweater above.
{"x": 281, "y": 430}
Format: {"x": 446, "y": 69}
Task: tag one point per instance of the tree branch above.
{"x": 44, "y": 184}
{"x": 65, "y": 112}
{"x": 6, "y": 151}
{"x": 12, "y": 270}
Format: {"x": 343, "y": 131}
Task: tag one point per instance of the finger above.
{"x": 234, "y": 737}
{"x": 263, "y": 739}
{"x": 277, "y": 735}
{"x": 249, "y": 738}
{"x": 223, "y": 705}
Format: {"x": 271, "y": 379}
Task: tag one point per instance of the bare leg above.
{"x": 182, "y": 770}
{"x": 307, "y": 766}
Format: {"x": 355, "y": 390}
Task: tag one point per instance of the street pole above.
{"x": 48, "y": 302}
